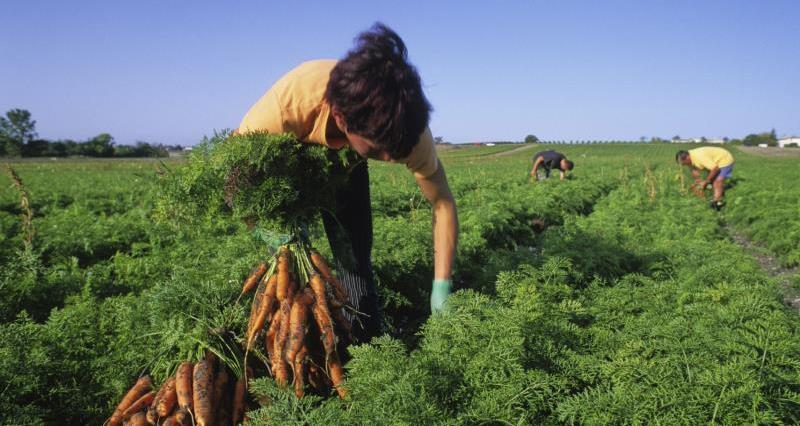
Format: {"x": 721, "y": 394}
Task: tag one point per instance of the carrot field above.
{"x": 614, "y": 297}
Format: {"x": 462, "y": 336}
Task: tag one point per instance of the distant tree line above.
{"x": 754, "y": 139}
{"x": 585, "y": 142}
{"x": 18, "y": 138}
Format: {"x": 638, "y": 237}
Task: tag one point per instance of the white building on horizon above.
{"x": 700, "y": 140}
{"x": 786, "y": 140}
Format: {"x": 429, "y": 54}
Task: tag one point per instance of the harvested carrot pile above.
{"x": 203, "y": 393}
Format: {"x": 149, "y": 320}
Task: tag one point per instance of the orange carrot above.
{"x": 337, "y": 375}
{"x": 138, "y": 419}
{"x": 168, "y": 400}
{"x": 325, "y": 270}
{"x": 142, "y": 386}
{"x": 264, "y": 308}
{"x": 223, "y": 415}
{"x": 270, "y": 295}
{"x": 298, "y": 320}
{"x": 237, "y": 413}
{"x": 298, "y": 368}
{"x": 285, "y": 308}
{"x": 254, "y": 277}
{"x": 322, "y": 316}
{"x": 202, "y": 392}
{"x": 282, "y": 291}
{"x": 269, "y": 338}
{"x": 279, "y": 370}
{"x": 183, "y": 417}
{"x": 151, "y": 417}
{"x": 152, "y": 412}
{"x": 323, "y": 320}
{"x": 318, "y": 287}
{"x": 220, "y": 387}
{"x": 279, "y": 363}
{"x": 212, "y": 360}
{"x": 183, "y": 385}
{"x": 257, "y": 299}
{"x": 180, "y": 418}
{"x": 140, "y": 405}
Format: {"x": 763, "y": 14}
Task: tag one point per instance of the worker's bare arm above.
{"x": 536, "y": 164}
{"x": 445, "y": 221}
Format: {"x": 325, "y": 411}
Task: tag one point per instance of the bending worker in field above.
{"x": 371, "y": 102}
{"x": 718, "y": 162}
{"x": 550, "y": 160}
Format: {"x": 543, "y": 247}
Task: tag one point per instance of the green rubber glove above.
{"x": 272, "y": 238}
{"x": 439, "y": 293}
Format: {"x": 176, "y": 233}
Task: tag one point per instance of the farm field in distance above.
{"x": 634, "y": 303}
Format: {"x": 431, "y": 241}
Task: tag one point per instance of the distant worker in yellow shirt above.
{"x": 718, "y": 162}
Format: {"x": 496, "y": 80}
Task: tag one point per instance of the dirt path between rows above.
{"x": 771, "y": 151}
{"x": 771, "y": 265}
{"x": 514, "y": 151}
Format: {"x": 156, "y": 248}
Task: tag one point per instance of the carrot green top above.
{"x": 708, "y": 157}
{"x": 296, "y": 104}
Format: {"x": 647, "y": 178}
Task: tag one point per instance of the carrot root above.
{"x": 298, "y": 367}
{"x": 325, "y": 270}
{"x": 202, "y": 392}
{"x": 183, "y": 385}
{"x": 262, "y": 311}
{"x": 254, "y": 278}
{"x": 237, "y": 413}
{"x": 140, "y": 405}
{"x": 168, "y": 400}
{"x": 142, "y": 386}
{"x": 337, "y": 375}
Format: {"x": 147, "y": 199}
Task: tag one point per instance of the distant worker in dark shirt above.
{"x": 550, "y": 160}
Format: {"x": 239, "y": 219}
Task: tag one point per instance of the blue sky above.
{"x": 173, "y": 71}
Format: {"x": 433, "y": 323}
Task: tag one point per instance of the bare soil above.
{"x": 772, "y": 266}
{"x": 771, "y": 151}
{"x": 515, "y": 150}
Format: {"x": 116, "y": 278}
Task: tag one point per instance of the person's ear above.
{"x": 339, "y": 119}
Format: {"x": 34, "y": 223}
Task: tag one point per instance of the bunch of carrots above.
{"x": 698, "y": 191}
{"x": 298, "y": 306}
{"x": 202, "y": 394}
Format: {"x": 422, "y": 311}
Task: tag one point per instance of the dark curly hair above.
{"x": 379, "y": 93}
{"x": 681, "y": 155}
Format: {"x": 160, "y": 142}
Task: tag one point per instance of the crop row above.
{"x": 765, "y": 202}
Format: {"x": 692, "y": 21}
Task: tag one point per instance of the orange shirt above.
{"x": 295, "y": 104}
